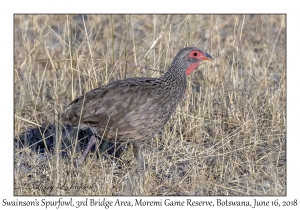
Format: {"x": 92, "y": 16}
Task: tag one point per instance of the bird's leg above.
{"x": 138, "y": 148}
{"x": 80, "y": 160}
{"x": 137, "y": 151}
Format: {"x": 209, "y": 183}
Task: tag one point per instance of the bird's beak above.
{"x": 206, "y": 56}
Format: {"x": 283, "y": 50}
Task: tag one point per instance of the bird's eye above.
{"x": 195, "y": 54}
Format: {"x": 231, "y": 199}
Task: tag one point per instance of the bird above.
{"x": 133, "y": 110}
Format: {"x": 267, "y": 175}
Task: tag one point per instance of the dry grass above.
{"x": 226, "y": 138}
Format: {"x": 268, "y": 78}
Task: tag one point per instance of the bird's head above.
{"x": 187, "y": 59}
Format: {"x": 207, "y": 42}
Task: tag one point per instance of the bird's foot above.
{"x": 79, "y": 161}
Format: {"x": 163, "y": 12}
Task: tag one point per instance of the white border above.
{"x": 118, "y": 6}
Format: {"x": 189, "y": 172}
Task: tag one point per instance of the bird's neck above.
{"x": 176, "y": 79}
{"x": 176, "y": 74}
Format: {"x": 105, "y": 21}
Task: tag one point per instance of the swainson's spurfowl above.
{"x": 134, "y": 109}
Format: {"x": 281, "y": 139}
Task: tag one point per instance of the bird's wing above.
{"x": 128, "y": 108}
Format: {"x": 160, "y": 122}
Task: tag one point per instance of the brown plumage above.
{"x": 134, "y": 109}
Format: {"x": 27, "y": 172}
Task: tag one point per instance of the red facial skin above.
{"x": 200, "y": 56}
